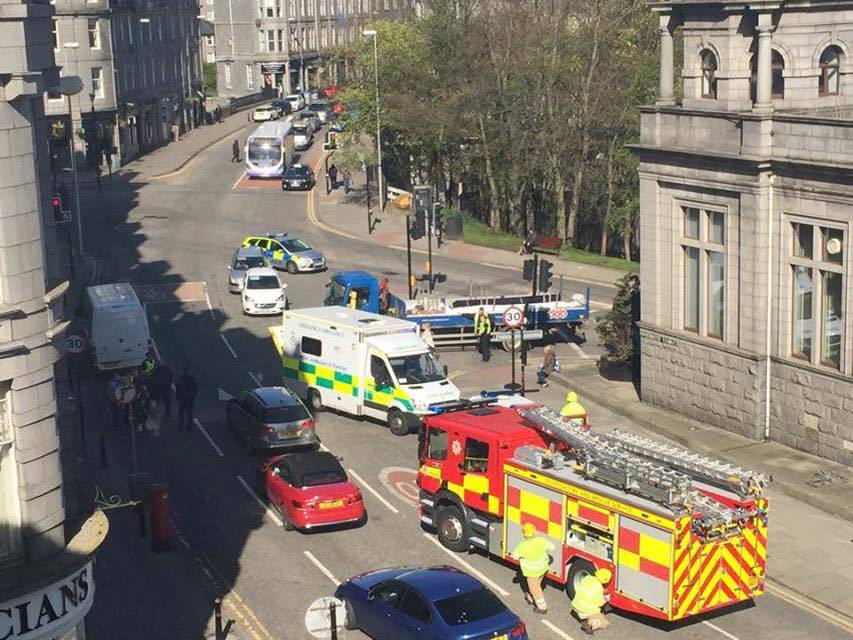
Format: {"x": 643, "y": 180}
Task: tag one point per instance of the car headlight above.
{"x": 248, "y": 299}
{"x": 281, "y": 298}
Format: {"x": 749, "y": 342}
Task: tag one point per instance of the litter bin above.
{"x": 453, "y": 227}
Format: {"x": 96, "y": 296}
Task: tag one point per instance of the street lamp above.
{"x": 71, "y": 86}
{"x": 371, "y": 33}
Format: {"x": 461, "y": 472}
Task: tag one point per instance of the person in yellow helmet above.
{"x": 573, "y": 411}
{"x": 353, "y": 299}
{"x": 589, "y": 599}
{"x": 532, "y": 553}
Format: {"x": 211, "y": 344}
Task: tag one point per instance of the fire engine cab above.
{"x": 681, "y": 533}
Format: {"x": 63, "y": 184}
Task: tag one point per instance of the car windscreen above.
{"x": 292, "y": 413}
{"x": 297, "y": 173}
{"x": 263, "y": 282}
{"x": 417, "y": 369}
{"x": 295, "y": 245}
{"x": 317, "y": 478}
{"x": 316, "y": 106}
{"x": 249, "y": 262}
{"x": 469, "y": 607}
{"x": 300, "y": 129}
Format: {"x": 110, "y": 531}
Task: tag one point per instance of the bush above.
{"x": 615, "y": 329}
{"x": 209, "y": 78}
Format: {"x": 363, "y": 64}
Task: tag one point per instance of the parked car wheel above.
{"x": 291, "y": 267}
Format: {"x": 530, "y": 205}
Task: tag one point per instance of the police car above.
{"x": 284, "y": 252}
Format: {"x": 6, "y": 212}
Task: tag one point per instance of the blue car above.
{"x": 436, "y": 603}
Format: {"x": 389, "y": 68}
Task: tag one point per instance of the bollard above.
{"x": 158, "y": 500}
{"x": 333, "y": 619}
{"x": 104, "y": 463}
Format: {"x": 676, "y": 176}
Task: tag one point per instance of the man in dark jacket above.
{"x": 161, "y": 387}
{"x": 186, "y": 389}
{"x": 549, "y": 361}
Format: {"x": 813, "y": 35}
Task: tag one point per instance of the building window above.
{"x": 817, "y": 264}
{"x": 97, "y": 82}
{"x": 94, "y": 33}
{"x": 778, "y": 67}
{"x": 55, "y": 35}
{"x": 280, "y": 40}
{"x": 271, "y": 40}
{"x": 830, "y": 65}
{"x": 703, "y": 241}
{"x": 709, "y": 75}
{"x": 227, "y": 73}
{"x": 250, "y": 77}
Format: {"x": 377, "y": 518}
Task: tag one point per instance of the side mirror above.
{"x": 445, "y": 370}
{"x": 284, "y": 285}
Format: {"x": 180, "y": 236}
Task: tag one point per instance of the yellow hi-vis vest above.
{"x": 532, "y": 554}
{"x": 589, "y": 596}
{"x": 482, "y": 324}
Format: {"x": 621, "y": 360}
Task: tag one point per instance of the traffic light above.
{"x": 59, "y": 214}
{"x": 435, "y": 223}
{"x": 331, "y": 142}
{"x": 529, "y": 270}
{"x": 545, "y": 275}
{"x": 417, "y": 229}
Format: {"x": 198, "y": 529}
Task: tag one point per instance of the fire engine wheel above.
{"x": 397, "y": 423}
{"x": 315, "y": 401}
{"x": 452, "y": 528}
{"x": 578, "y": 569}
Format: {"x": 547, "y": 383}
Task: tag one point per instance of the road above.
{"x": 182, "y": 230}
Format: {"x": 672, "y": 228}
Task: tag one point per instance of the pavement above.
{"x": 175, "y": 234}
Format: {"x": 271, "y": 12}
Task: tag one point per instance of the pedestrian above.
{"x": 186, "y": 389}
{"x": 140, "y": 407}
{"x": 161, "y": 387}
{"x": 333, "y": 176}
{"x": 383, "y": 296}
{"x": 235, "y": 151}
{"x": 532, "y": 554}
{"x": 347, "y": 181}
{"x": 528, "y": 243}
{"x": 549, "y": 361}
{"x": 219, "y": 115}
{"x": 483, "y": 331}
{"x": 573, "y": 411}
{"x": 148, "y": 365}
{"x": 589, "y": 599}
{"x": 426, "y": 335}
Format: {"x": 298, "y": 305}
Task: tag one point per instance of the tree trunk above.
{"x": 494, "y": 196}
{"x": 611, "y": 192}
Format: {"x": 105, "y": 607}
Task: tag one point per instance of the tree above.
{"x": 615, "y": 329}
{"x": 209, "y": 78}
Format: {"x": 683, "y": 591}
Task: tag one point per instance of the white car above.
{"x": 262, "y": 114}
{"x": 296, "y": 101}
{"x": 263, "y": 292}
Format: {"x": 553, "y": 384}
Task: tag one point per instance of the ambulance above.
{"x": 682, "y": 534}
{"x": 361, "y": 363}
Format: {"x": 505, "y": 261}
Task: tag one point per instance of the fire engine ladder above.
{"x": 741, "y": 481}
{"x": 609, "y": 461}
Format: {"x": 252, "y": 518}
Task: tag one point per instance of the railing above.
{"x": 254, "y": 98}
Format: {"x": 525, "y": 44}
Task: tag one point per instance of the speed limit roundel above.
{"x": 513, "y": 317}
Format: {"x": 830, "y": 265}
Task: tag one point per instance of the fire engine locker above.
{"x": 643, "y": 561}
{"x": 529, "y": 502}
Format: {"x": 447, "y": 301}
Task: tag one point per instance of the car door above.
{"x": 278, "y": 254}
{"x": 415, "y": 615}
{"x": 278, "y": 486}
{"x": 238, "y": 413}
{"x": 380, "y": 619}
{"x": 379, "y": 387}
{"x": 254, "y": 415}
{"x": 264, "y": 244}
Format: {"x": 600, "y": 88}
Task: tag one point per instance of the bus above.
{"x": 269, "y": 150}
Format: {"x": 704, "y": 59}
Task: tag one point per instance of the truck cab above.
{"x": 343, "y": 283}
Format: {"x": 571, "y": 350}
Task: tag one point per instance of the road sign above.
{"x": 74, "y": 343}
{"x": 513, "y": 318}
{"x": 124, "y": 393}
{"x": 318, "y": 618}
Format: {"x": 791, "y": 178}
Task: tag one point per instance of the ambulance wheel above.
{"x": 578, "y": 570}
{"x": 315, "y": 401}
{"x": 397, "y": 423}
{"x": 291, "y": 267}
{"x": 452, "y": 528}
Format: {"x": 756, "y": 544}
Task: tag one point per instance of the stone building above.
{"x": 283, "y": 44}
{"x": 130, "y": 101}
{"x": 746, "y": 185}
{"x": 46, "y": 541}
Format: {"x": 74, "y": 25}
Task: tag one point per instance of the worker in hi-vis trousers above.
{"x": 588, "y": 600}
{"x": 533, "y": 559}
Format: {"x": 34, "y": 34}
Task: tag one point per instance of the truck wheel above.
{"x": 452, "y": 528}
{"x": 397, "y": 423}
{"x": 315, "y": 401}
{"x": 578, "y": 569}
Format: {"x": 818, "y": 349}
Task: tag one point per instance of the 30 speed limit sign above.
{"x": 513, "y": 318}
{"x": 74, "y": 344}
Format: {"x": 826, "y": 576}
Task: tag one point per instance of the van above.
{"x": 117, "y": 326}
{"x": 361, "y": 363}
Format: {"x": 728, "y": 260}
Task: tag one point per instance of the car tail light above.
{"x": 265, "y": 428}
{"x": 305, "y": 504}
{"x": 353, "y": 499}
{"x": 518, "y": 630}
{"x": 307, "y": 424}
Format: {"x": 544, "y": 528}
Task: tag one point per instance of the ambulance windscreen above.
{"x": 417, "y": 369}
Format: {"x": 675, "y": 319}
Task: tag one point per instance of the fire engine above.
{"x": 682, "y": 534}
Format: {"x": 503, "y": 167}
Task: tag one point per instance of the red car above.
{"x": 310, "y": 489}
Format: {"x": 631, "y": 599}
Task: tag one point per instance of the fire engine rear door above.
{"x": 643, "y": 562}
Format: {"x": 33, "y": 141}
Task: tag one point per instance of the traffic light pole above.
{"x": 409, "y": 253}
{"x": 429, "y": 248}
{"x": 535, "y": 282}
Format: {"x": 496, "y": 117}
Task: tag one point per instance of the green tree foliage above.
{"x": 209, "y": 78}
{"x": 526, "y": 104}
{"x": 615, "y": 328}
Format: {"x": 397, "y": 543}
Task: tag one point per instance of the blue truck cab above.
{"x": 363, "y": 284}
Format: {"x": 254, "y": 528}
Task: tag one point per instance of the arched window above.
{"x": 830, "y": 63}
{"x": 777, "y": 64}
{"x": 709, "y": 74}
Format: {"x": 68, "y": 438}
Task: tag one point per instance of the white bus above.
{"x": 269, "y": 150}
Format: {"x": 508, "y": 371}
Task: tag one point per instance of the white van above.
{"x": 117, "y": 326}
{"x": 361, "y": 363}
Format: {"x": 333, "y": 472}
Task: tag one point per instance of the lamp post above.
{"x": 371, "y": 33}
{"x": 71, "y": 86}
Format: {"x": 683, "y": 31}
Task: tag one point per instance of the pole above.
{"x": 333, "y": 620}
{"x": 78, "y": 213}
{"x": 523, "y": 356}
{"x": 409, "y": 253}
{"x": 512, "y": 340}
{"x": 535, "y": 272}
{"x": 378, "y": 129}
{"x": 369, "y": 206}
{"x": 79, "y": 394}
{"x": 429, "y": 248}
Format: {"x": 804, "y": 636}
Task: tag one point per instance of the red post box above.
{"x": 158, "y": 501}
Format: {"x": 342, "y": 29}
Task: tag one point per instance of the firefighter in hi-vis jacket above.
{"x": 532, "y": 553}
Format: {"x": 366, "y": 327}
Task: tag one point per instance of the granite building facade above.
{"x": 746, "y": 188}
{"x": 46, "y": 582}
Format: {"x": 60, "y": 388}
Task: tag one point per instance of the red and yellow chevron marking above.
{"x": 470, "y": 491}
{"x": 546, "y": 515}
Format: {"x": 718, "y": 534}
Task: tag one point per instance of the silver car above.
{"x": 301, "y": 257}
{"x": 321, "y": 109}
{"x": 244, "y": 258}
{"x": 311, "y": 119}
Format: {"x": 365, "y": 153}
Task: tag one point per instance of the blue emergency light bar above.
{"x": 459, "y": 405}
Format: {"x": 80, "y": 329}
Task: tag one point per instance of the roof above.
{"x": 440, "y": 582}
{"x": 261, "y": 271}
{"x": 117, "y": 294}
{"x": 398, "y": 343}
{"x": 271, "y": 129}
{"x": 249, "y": 252}
{"x": 354, "y": 276}
{"x": 491, "y": 421}
{"x": 304, "y": 462}
{"x": 344, "y": 317}
{"x": 275, "y": 397}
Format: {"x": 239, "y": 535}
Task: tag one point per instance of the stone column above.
{"x": 764, "y": 69}
{"x": 666, "y": 93}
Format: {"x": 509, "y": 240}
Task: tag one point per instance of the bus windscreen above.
{"x": 264, "y": 152}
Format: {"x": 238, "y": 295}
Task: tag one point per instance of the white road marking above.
{"x": 557, "y": 630}
{"x": 322, "y": 568}
{"x": 323, "y": 447}
{"x": 228, "y": 344}
{"x": 242, "y": 175}
{"x": 207, "y": 300}
{"x": 600, "y": 305}
{"x": 578, "y": 350}
{"x": 255, "y": 379}
{"x": 379, "y": 497}
{"x": 468, "y": 566}
{"x": 260, "y": 502}
{"x": 720, "y": 631}
{"x": 207, "y": 437}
